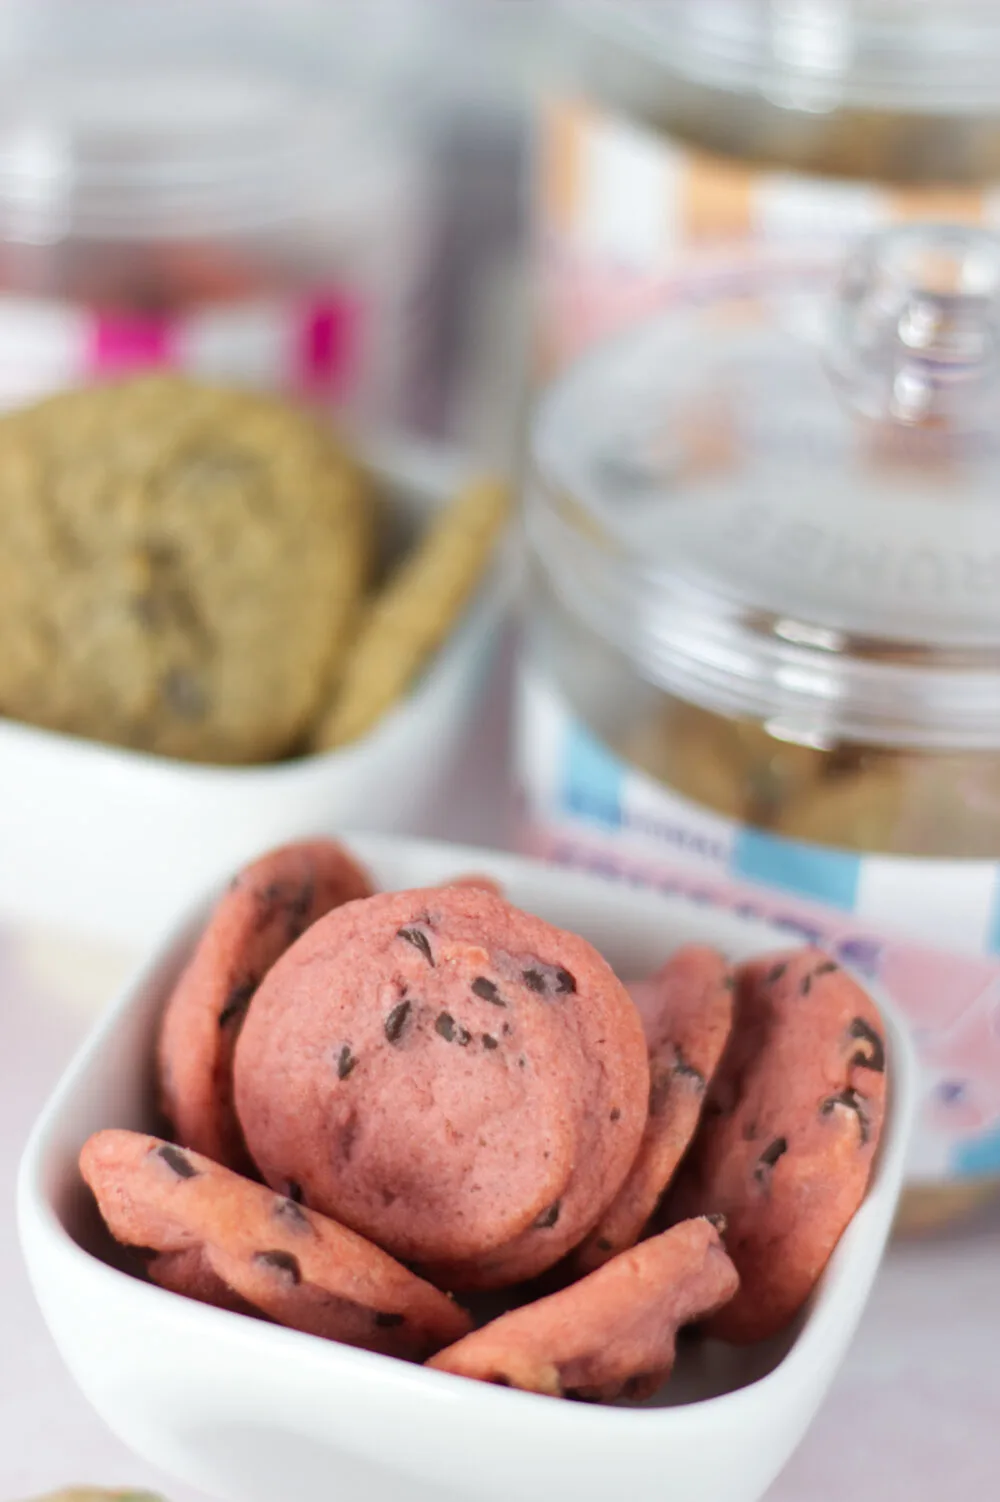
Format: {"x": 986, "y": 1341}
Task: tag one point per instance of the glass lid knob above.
{"x": 914, "y": 333}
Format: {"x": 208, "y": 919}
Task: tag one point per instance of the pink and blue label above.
{"x": 928, "y": 931}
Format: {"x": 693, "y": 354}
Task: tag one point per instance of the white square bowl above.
{"x": 111, "y": 842}
{"x": 255, "y": 1413}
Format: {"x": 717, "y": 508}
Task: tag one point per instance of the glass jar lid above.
{"x": 781, "y": 497}
{"x": 923, "y": 55}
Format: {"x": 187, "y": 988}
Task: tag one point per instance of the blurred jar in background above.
{"x": 209, "y": 187}
{"x": 762, "y": 656}
{"x": 701, "y": 127}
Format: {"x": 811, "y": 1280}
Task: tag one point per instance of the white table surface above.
{"x": 914, "y": 1415}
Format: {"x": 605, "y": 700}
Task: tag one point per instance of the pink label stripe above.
{"x": 121, "y": 343}
{"x": 315, "y": 346}
{"x": 327, "y": 352}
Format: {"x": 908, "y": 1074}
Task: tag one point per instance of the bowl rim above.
{"x": 859, "y": 1250}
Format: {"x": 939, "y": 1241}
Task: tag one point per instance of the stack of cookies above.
{"x": 388, "y": 1116}
{"x": 187, "y": 570}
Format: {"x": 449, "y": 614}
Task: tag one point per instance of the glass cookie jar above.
{"x": 762, "y": 658}
{"x": 674, "y": 129}
{"x": 203, "y": 185}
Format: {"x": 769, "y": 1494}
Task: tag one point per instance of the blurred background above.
{"x": 422, "y": 219}
{"x": 325, "y": 194}
{"x": 344, "y": 195}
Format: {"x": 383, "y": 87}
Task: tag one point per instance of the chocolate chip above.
{"x": 872, "y": 1054}
{"x": 489, "y": 1042}
{"x": 299, "y": 909}
{"x": 270, "y": 901}
{"x": 604, "y": 1245}
{"x": 775, "y": 974}
{"x": 175, "y": 1160}
{"x": 549, "y": 1217}
{"x": 281, "y": 1262}
{"x": 389, "y": 1321}
{"x": 396, "y": 1021}
{"x": 345, "y": 1062}
{"x": 291, "y": 1214}
{"x": 487, "y": 991}
{"x": 851, "y": 1101}
{"x": 827, "y": 968}
{"x": 685, "y": 1071}
{"x": 769, "y": 1157}
{"x": 452, "y": 1031}
{"x": 534, "y": 980}
{"x": 522, "y": 1062}
{"x": 616, "y": 1114}
{"x": 239, "y": 998}
{"x": 565, "y": 983}
{"x": 184, "y": 694}
{"x": 507, "y": 1029}
{"x": 419, "y": 940}
{"x": 661, "y": 1081}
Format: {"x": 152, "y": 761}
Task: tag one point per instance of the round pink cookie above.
{"x": 461, "y": 1082}
{"x": 612, "y": 1334}
{"x": 687, "y": 1012}
{"x": 789, "y": 1133}
{"x": 266, "y": 908}
{"x": 209, "y": 1234}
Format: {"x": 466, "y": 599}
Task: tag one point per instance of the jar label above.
{"x": 312, "y": 346}
{"x": 621, "y": 208}
{"x": 928, "y": 931}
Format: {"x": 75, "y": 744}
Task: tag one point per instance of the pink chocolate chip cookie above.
{"x": 457, "y": 1080}
{"x": 266, "y": 908}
